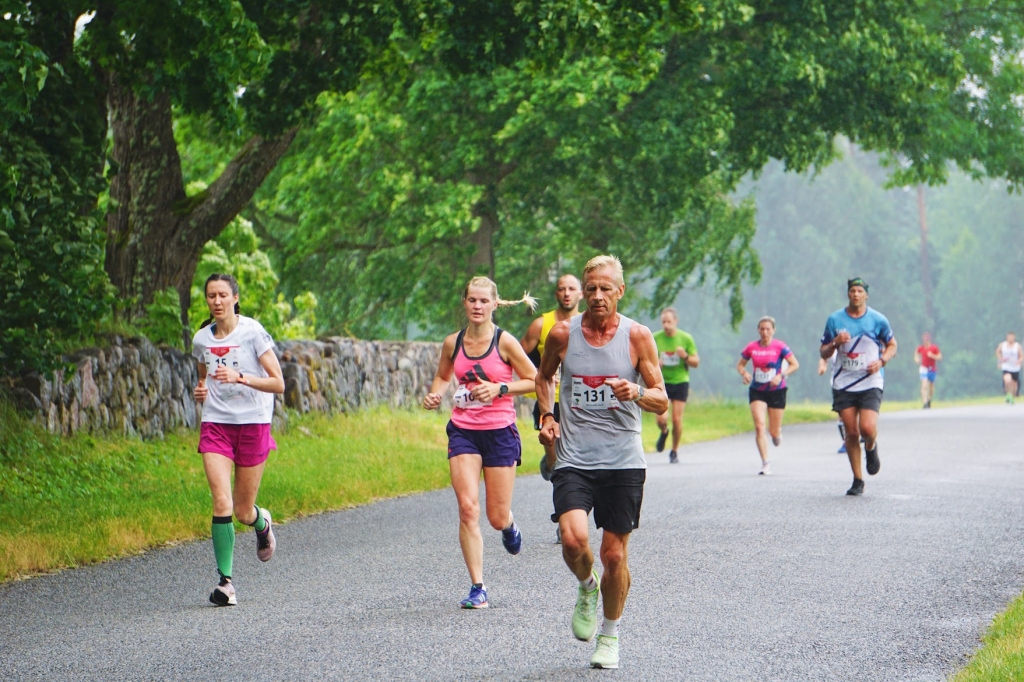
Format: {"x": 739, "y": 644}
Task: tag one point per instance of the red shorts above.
{"x": 247, "y": 445}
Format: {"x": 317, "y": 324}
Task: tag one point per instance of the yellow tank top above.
{"x": 550, "y": 320}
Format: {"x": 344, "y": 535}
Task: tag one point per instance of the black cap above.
{"x": 856, "y": 282}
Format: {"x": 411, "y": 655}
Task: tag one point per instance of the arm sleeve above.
{"x": 745, "y": 353}
{"x": 690, "y": 346}
{"x": 786, "y": 352}
{"x": 198, "y": 349}
{"x": 884, "y": 330}
{"x": 829, "y": 333}
{"x": 262, "y": 341}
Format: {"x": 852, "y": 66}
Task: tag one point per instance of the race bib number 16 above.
{"x": 591, "y": 393}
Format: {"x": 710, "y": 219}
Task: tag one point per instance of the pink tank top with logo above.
{"x": 469, "y": 372}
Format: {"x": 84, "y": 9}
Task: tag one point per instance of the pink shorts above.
{"x": 247, "y": 445}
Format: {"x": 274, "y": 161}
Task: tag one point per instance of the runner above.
{"x": 927, "y": 356}
{"x": 568, "y": 295}
{"x": 600, "y": 456}
{"x": 864, "y": 343}
{"x": 237, "y": 355}
{"x": 823, "y": 365}
{"x": 482, "y": 433}
{"x": 1009, "y": 356}
{"x": 773, "y": 362}
{"x": 677, "y": 354}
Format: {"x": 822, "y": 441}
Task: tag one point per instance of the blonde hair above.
{"x": 766, "y": 318}
{"x": 598, "y": 262}
{"x": 488, "y": 283}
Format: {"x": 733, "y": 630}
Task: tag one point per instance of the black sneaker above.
{"x": 857, "y": 488}
{"x": 874, "y": 464}
{"x": 673, "y": 457}
{"x": 660, "y": 447}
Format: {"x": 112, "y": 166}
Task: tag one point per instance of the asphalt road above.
{"x": 735, "y": 577}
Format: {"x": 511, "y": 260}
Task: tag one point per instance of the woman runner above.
{"x": 237, "y": 355}
{"x": 482, "y": 433}
{"x": 773, "y": 362}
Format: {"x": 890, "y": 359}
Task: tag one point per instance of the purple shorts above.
{"x": 497, "y": 447}
{"x": 247, "y": 445}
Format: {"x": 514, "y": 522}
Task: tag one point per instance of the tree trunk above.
{"x": 482, "y": 260}
{"x": 155, "y": 233}
{"x": 926, "y": 269}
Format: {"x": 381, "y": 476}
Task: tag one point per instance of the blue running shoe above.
{"x": 477, "y": 598}
{"x": 842, "y": 449}
{"x": 512, "y": 539}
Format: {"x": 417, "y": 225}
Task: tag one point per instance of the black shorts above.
{"x": 776, "y": 399}
{"x": 678, "y": 392}
{"x": 536, "y": 415}
{"x": 1013, "y": 375}
{"x": 615, "y": 495}
{"x": 870, "y": 399}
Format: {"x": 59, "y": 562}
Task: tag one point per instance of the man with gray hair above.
{"x": 599, "y": 457}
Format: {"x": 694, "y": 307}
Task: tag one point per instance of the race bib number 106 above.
{"x": 591, "y": 393}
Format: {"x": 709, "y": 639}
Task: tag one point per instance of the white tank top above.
{"x": 598, "y": 432}
{"x": 1011, "y": 356}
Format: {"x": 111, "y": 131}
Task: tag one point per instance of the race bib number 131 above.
{"x": 591, "y": 393}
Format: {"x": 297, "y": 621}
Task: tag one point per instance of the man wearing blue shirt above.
{"x": 863, "y": 342}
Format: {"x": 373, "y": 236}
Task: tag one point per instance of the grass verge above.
{"x": 1002, "y": 654}
{"x": 71, "y": 501}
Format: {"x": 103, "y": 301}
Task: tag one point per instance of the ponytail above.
{"x": 526, "y": 299}
{"x": 487, "y": 283}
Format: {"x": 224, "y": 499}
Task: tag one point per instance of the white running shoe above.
{"x": 223, "y": 594}
{"x": 606, "y": 655}
{"x": 266, "y": 543}
{"x": 777, "y": 440}
{"x": 766, "y": 469}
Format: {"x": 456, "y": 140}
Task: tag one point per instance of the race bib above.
{"x": 854, "y": 363}
{"x": 858, "y": 353}
{"x": 670, "y": 360}
{"x": 464, "y": 400}
{"x": 224, "y": 356}
{"x": 764, "y": 376}
{"x": 591, "y": 393}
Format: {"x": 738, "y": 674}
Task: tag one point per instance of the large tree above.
{"x": 631, "y": 142}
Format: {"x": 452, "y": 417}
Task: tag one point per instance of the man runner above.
{"x": 863, "y": 342}
{"x": 600, "y": 461}
{"x": 677, "y": 353}
{"x": 567, "y": 294}
{"x": 927, "y": 356}
{"x": 1009, "y": 356}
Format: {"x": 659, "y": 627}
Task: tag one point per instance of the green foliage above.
{"x": 162, "y": 321}
{"x": 52, "y": 283}
{"x": 629, "y": 142}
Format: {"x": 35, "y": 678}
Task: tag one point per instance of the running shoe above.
{"x": 673, "y": 457}
{"x": 874, "y": 464}
{"x": 606, "y": 655}
{"x": 777, "y": 440}
{"x": 223, "y": 594}
{"x": 584, "y": 616}
{"x": 266, "y": 543}
{"x": 1009, "y": 398}
{"x": 660, "y": 446}
{"x": 477, "y": 598}
{"x": 512, "y": 539}
{"x": 766, "y": 468}
{"x": 857, "y": 488}
{"x": 842, "y": 449}
{"x": 928, "y": 405}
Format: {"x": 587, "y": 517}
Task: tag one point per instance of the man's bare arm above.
{"x": 554, "y": 351}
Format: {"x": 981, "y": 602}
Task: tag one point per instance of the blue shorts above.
{"x": 928, "y": 374}
{"x": 497, "y": 447}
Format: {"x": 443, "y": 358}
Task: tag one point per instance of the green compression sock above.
{"x": 224, "y": 544}
{"x": 260, "y": 524}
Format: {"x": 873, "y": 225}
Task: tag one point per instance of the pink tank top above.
{"x": 469, "y": 372}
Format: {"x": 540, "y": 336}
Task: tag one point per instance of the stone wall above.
{"x": 133, "y": 387}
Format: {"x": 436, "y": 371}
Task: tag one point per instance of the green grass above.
{"x": 1002, "y": 656}
{"x": 72, "y": 501}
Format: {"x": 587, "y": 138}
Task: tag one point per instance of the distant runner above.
{"x": 677, "y": 354}
{"x": 482, "y": 434}
{"x": 235, "y": 354}
{"x": 864, "y": 343}
{"x": 927, "y": 357}
{"x": 1009, "y": 356}
{"x": 600, "y": 455}
{"x": 773, "y": 362}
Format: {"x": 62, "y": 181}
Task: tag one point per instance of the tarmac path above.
{"x": 735, "y": 577}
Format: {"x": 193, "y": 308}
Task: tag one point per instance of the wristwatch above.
{"x": 639, "y": 393}
{"x": 502, "y": 389}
